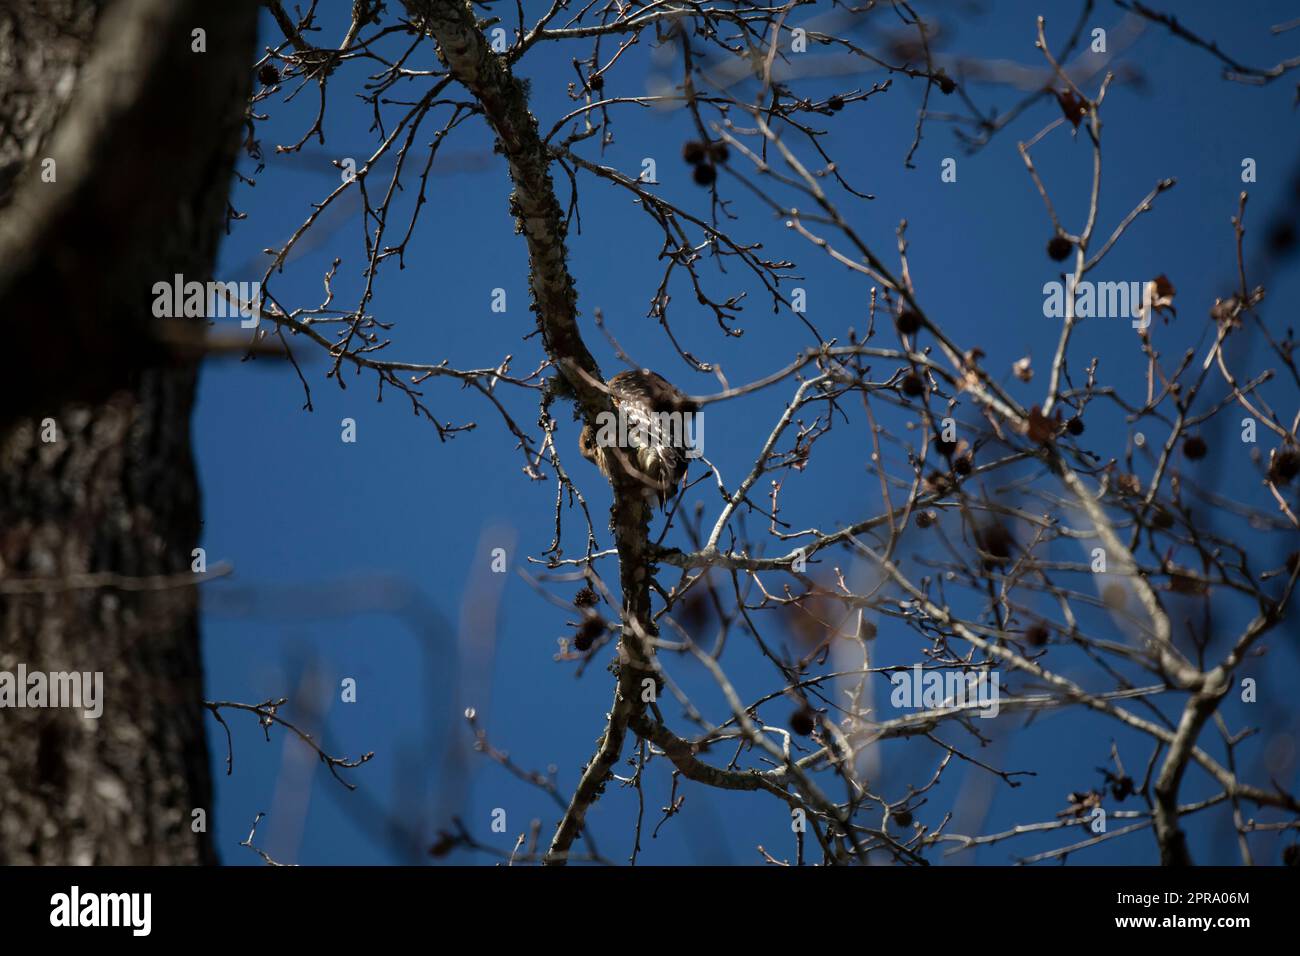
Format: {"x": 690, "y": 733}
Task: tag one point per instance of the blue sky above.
{"x": 371, "y": 560}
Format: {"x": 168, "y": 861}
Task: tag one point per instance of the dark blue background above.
{"x": 371, "y": 560}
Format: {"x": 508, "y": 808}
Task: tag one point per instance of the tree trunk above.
{"x": 97, "y": 525}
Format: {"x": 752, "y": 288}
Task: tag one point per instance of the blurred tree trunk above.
{"x": 97, "y": 526}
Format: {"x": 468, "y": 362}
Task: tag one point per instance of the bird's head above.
{"x": 587, "y": 443}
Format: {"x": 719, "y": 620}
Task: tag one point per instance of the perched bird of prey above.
{"x": 647, "y": 436}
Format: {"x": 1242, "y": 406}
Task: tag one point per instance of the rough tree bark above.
{"x": 97, "y": 526}
{"x": 465, "y": 52}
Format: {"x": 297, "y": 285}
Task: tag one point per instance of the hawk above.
{"x": 646, "y": 437}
